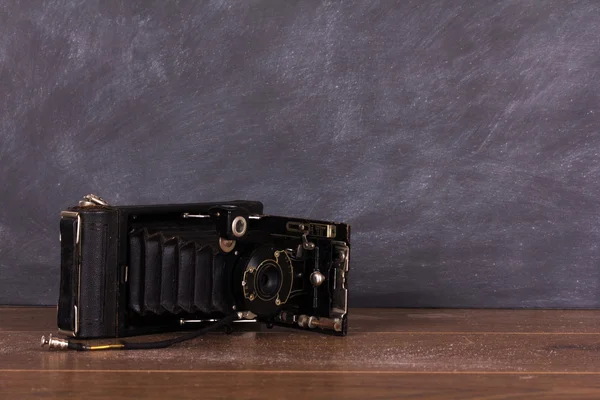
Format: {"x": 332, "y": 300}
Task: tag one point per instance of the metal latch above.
{"x": 92, "y": 200}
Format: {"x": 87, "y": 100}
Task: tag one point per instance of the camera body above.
{"x": 130, "y": 270}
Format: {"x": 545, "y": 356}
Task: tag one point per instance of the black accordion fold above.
{"x": 178, "y": 272}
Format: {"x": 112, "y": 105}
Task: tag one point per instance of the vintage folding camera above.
{"x": 129, "y": 270}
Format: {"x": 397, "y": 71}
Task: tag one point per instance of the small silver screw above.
{"x": 234, "y": 308}
{"x": 243, "y": 283}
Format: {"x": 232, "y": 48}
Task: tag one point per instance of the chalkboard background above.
{"x": 459, "y": 138}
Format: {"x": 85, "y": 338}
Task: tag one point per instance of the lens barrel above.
{"x": 265, "y": 279}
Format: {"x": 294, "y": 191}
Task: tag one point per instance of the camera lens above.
{"x": 268, "y": 281}
{"x": 264, "y": 280}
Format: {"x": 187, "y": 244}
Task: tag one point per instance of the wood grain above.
{"x": 282, "y": 385}
{"x": 390, "y": 353}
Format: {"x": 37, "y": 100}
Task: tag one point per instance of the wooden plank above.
{"x": 308, "y": 385}
{"x": 470, "y": 320}
{"x": 27, "y": 318}
{"x": 291, "y": 351}
{"x": 413, "y": 354}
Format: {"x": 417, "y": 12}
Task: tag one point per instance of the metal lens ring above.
{"x": 268, "y": 280}
{"x": 239, "y": 226}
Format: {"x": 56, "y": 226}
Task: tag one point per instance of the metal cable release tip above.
{"x": 54, "y": 344}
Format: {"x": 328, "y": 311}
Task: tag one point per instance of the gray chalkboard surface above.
{"x": 459, "y": 138}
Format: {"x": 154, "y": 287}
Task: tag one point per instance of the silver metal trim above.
{"x": 76, "y": 319}
{"x": 343, "y": 247}
{"x": 199, "y": 321}
{"x": 66, "y": 332}
{"x": 234, "y": 223}
{"x": 316, "y": 229}
{"x": 77, "y": 216}
{"x": 188, "y": 215}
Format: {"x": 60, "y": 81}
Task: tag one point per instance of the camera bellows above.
{"x": 176, "y": 273}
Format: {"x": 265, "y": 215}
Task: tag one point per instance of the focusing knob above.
{"x": 317, "y": 278}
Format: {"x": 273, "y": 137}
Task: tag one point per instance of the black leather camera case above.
{"x": 93, "y": 314}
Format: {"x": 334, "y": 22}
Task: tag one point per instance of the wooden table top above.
{"x": 389, "y": 353}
